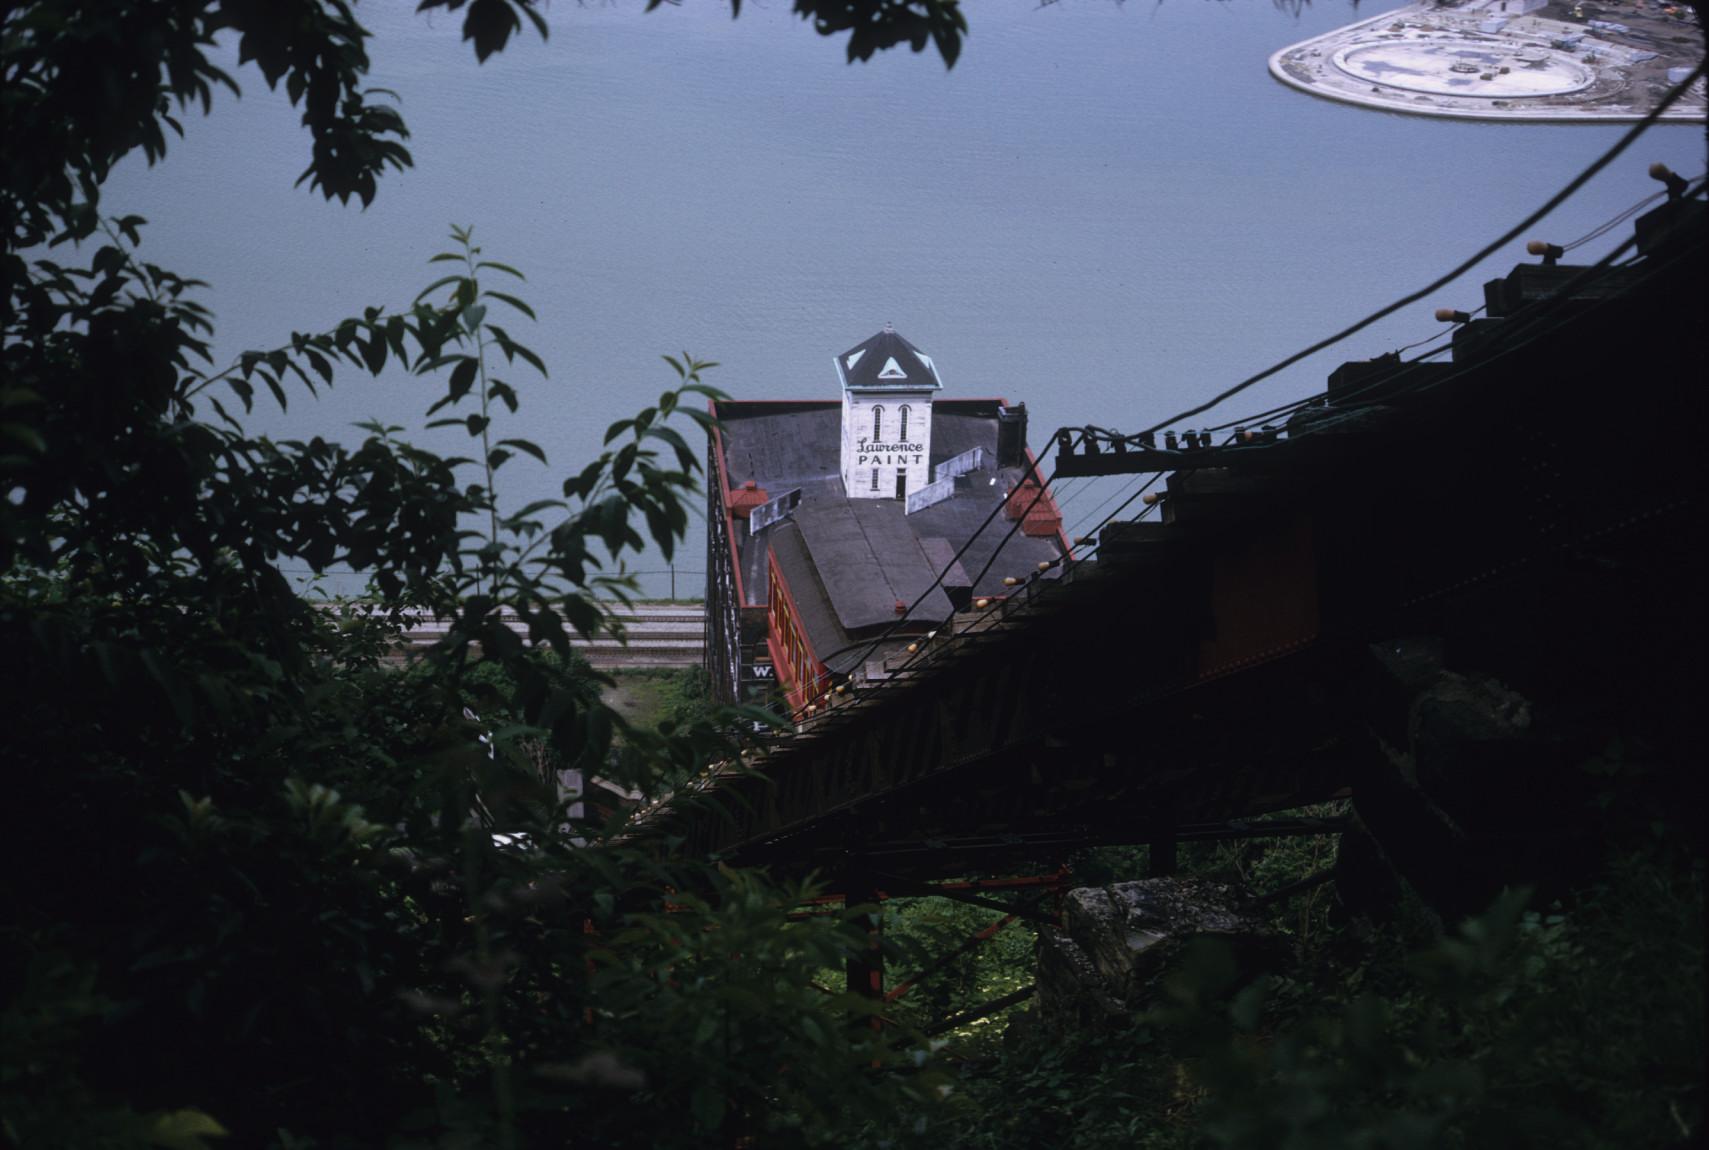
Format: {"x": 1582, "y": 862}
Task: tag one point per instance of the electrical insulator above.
{"x": 1170, "y": 442}
{"x": 1676, "y": 185}
{"x": 1549, "y": 252}
{"x": 1010, "y": 580}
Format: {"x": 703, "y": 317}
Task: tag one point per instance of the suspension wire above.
{"x": 1108, "y": 499}
{"x": 1528, "y": 323}
{"x": 1348, "y": 400}
{"x": 1069, "y": 563}
{"x": 1459, "y": 270}
{"x": 1609, "y": 225}
{"x": 1449, "y": 330}
{"x": 1695, "y": 186}
{"x": 1296, "y": 404}
{"x": 1076, "y": 486}
{"x": 1072, "y": 562}
{"x": 1609, "y": 260}
{"x": 1553, "y": 202}
{"x": 872, "y": 644}
{"x": 1031, "y": 471}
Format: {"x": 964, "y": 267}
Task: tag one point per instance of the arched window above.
{"x": 903, "y": 434}
{"x": 877, "y": 415}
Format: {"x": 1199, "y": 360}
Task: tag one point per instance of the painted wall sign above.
{"x": 970, "y": 460}
{"x": 770, "y": 512}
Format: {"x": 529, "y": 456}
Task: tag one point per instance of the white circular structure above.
{"x": 1460, "y": 68}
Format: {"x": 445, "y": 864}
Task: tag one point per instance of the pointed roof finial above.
{"x": 887, "y": 327}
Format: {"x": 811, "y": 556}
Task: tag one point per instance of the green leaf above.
{"x": 26, "y": 435}
{"x": 435, "y": 286}
{"x": 184, "y": 1130}
{"x": 273, "y": 386}
{"x": 462, "y": 377}
{"x": 537, "y": 505}
{"x": 512, "y": 349}
{"x": 707, "y": 1106}
{"x": 512, "y": 301}
{"x": 374, "y": 353}
{"x": 489, "y": 24}
{"x": 500, "y": 390}
{"x": 524, "y": 445}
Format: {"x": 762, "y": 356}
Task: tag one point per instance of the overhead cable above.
{"x": 1459, "y": 270}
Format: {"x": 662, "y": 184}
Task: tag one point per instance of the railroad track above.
{"x": 656, "y": 635}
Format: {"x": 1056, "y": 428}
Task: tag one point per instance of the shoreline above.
{"x": 1475, "y": 62}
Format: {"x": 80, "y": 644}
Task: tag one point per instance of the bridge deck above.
{"x": 1519, "y": 508}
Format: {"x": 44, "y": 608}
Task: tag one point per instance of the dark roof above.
{"x": 941, "y": 554}
{"x": 848, "y": 561}
{"x": 887, "y": 362}
{"x": 812, "y": 604}
{"x": 869, "y": 559}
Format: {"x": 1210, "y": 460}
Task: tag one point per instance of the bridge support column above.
{"x": 866, "y": 969}
{"x": 1161, "y": 854}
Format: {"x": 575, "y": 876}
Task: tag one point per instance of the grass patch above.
{"x": 648, "y": 696}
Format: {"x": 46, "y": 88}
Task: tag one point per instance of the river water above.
{"x": 1108, "y": 211}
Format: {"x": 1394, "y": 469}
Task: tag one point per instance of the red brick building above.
{"x": 840, "y": 530}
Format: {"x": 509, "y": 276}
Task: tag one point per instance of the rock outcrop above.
{"x": 1104, "y": 965}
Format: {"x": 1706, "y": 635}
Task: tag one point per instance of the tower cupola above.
{"x": 887, "y": 416}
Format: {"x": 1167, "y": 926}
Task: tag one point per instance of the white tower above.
{"x": 887, "y": 417}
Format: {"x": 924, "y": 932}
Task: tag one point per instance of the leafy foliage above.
{"x": 268, "y": 884}
{"x": 1578, "y": 1025}
{"x": 874, "y": 25}
{"x": 1520, "y": 1029}
{"x": 267, "y": 887}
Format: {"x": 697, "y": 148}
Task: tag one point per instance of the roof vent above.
{"x": 1012, "y": 436}
{"x": 747, "y": 497}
